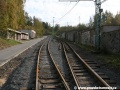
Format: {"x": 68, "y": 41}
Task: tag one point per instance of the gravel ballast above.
{"x": 58, "y": 56}
{"x": 104, "y": 68}
{"x": 20, "y": 71}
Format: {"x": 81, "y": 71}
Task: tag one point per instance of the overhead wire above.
{"x": 57, "y": 21}
{"x": 44, "y": 3}
{"x": 103, "y": 1}
{"x": 67, "y": 5}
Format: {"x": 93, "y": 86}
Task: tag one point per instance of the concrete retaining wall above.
{"x": 110, "y": 38}
{"x": 85, "y": 38}
{"x": 111, "y": 41}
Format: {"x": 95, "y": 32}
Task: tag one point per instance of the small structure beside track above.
{"x": 20, "y": 34}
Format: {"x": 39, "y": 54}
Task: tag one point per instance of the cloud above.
{"x": 47, "y": 9}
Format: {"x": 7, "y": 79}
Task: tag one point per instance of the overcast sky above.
{"x": 47, "y": 9}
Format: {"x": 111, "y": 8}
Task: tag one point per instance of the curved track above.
{"x": 48, "y": 76}
{"x": 83, "y": 74}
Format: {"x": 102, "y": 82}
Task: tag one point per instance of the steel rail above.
{"x": 59, "y": 72}
{"x": 102, "y": 81}
{"x": 74, "y": 77}
{"x": 37, "y": 68}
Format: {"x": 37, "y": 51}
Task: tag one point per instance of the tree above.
{"x": 56, "y": 28}
{"x": 20, "y": 14}
{"x": 117, "y": 18}
{"x": 28, "y": 22}
{"x": 47, "y": 28}
{"x": 45, "y": 24}
{"x": 3, "y": 14}
{"x": 109, "y": 18}
{"x": 38, "y": 26}
{"x": 3, "y": 18}
{"x": 91, "y": 23}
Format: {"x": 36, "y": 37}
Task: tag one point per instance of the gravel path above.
{"x": 22, "y": 76}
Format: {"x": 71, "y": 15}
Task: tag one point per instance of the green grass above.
{"x": 4, "y": 43}
{"x": 86, "y": 47}
{"x": 107, "y": 58}
{"x": 111, "y": 59}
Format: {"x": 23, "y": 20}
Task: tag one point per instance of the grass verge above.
{"x": 4, "y": 43}
{"x": 111, "y": 60}
{"x": 86, "y": 47}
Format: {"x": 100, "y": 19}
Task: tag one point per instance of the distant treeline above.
{"x": 12, "y": 15}
{"x": 107, "y": 19}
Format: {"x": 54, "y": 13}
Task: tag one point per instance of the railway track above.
{"x": 59, "y": 58}
{"x": 48, "y": 75}
{"x": 85, "y": 73}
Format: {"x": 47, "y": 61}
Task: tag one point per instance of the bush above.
{"x": 3, "y": 34}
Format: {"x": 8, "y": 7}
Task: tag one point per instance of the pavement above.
{"x": 12, "y": 52}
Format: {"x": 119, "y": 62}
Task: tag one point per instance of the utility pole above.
{"x": 53, "y": 27}
{"x": 98, "y": 12}
{"x": 79, "y": 22}
{"x": 67, "y": 24}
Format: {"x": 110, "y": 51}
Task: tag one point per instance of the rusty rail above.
{"x": 56, "y": 67}
{"x": 103, "y": 82}
{"x": 59, "y": 72}
{"x": 74, "y": 77}
{"x": 37, "y": 68}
